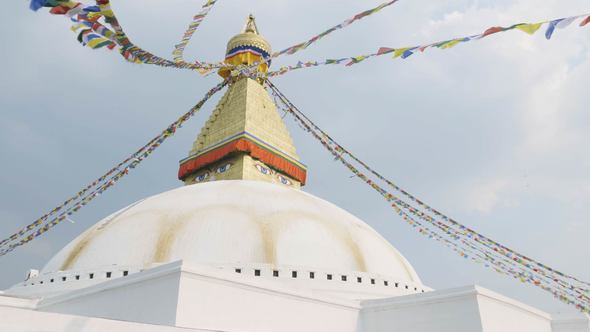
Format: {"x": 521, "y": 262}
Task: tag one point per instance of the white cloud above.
{"x": 485, "y": 196}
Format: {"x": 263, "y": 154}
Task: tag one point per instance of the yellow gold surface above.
{"x": 248, "y": 39}
{"x": 245, "y": 107}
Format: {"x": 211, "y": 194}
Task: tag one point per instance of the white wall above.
{"x": 466, "y": 309}
{"x": 499, "y": 313}
{"x": 142, "y": 298}
{"x": 209, "y": 298}
{"x": 571, "y": 323}
{"x": 23, "y": 320}
{"x": 250, "y": 304}
{"x": 428, "y": 312}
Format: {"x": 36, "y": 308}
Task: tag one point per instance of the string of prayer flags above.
{"x": 301, "y": 46}
{"x": 93, "y": 40}
{"x": 100, "y": 185}
{"x": 114, "y": 38}
{"x": 38, "y": 4}
{"x": 250, "y": 71}
{"x": 178, "y": 53}
{"x": 406, "y": 52}
{"x": 461, "y": 239}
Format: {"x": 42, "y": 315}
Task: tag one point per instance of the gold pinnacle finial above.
{"x": 246, "y": 48}
{"x": 250, "y": 26}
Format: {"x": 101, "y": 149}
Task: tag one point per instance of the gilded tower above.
{"x": 245, "y": 137}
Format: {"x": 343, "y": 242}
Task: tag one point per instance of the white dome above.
{"x": 235, "y": 222}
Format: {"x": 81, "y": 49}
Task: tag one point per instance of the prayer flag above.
{"x": 385, "y": 50}
{"x": 36, "y": 4}
{"x": 551, "y": 28}
{"x": 400, "y": 51}
{"x": 450, "y": 43}
{"x": 408, "y": 53}
{"x": 491, "y": 30}
{"x": 529, "y": 28}
{"x": 566, "y": 22}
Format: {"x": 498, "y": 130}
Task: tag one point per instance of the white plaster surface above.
{"x": 230, "y": 222}
{"x": 571, "y": 323}
{"x": 180, "y": 297}
{"x": 22, "y": 320}
{"x": 238, "y": 256}
{"x": 466, "y": 309}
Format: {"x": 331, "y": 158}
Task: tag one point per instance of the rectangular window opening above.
{"x": 108, "y": 274}
{"x": 311, "y": 275}
{"x": 275, "y": 273}
{"x": 257, "y": 273}
{"x": 77, "y": 277}
{"x": 63, "y": 278}
{"x": 238, "y": 270}
{"x": 386, "y": 283}
{"x": 359, "y": 279}
{"x": 329, "y": 276}
{"x": 372, "y": 281}
{"x": 294, "y": 274}
{"x": 91, "y": 275}
{"x": 51, "y": 280}
{"x": 343, "y": 278}
{"x": 125, "y": 273}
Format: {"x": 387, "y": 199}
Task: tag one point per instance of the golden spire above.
{"x": 250, "y": 25}
{"x": 245, "y": 137}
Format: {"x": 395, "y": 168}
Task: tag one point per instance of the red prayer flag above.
{"x": 585, "y": 21}
{"x": 384, "y": 50}
{"x": 492, "y": 30}
{"x": 62, "y": 9}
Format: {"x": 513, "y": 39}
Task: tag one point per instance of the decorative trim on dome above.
{"x": 247, "y": 49}
{"x": 244, "y": 142}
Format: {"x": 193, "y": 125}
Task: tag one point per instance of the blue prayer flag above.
{"x": 551, "y": 28}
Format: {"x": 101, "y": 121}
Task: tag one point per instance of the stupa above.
{"x": 240, "y": 247}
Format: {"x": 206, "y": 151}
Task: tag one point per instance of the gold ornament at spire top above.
{"x": 249, "y": 37}
{"x": 250, "y": 25}
{"x": 247, "y": 48}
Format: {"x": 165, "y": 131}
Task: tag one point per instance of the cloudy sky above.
{"x": 494, "y": 132}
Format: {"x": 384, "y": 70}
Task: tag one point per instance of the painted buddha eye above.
{"x": 285, "y": 181}
{"x": 262, "y": 169}
{"x": 223, "y": 169}
{"x": 202, "y": 177}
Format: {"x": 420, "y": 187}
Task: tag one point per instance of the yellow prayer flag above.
{"x": 204, "y": 71}
{"x": 77, "y": 27}
{"x": 107, "y": 13}
{"x": 360, "y": 58}
{"x": 400, "y": 51}
{"x": 530, "y": 28}
{"x": 94, "y": 43}
{"x": 450, "y": 44}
